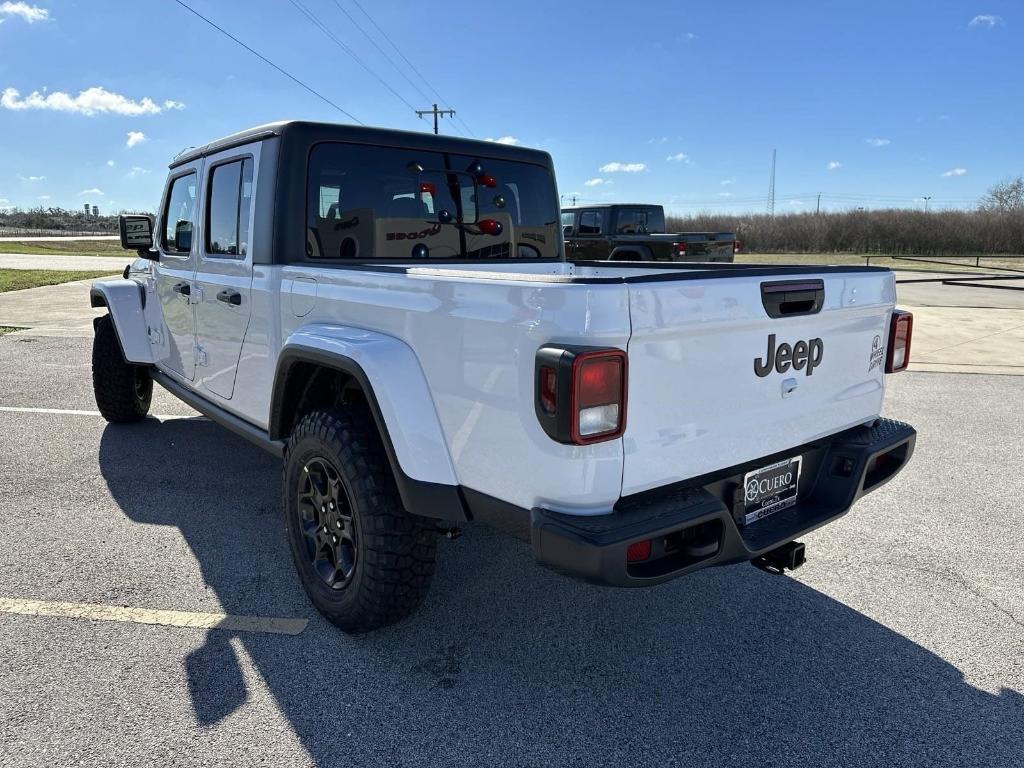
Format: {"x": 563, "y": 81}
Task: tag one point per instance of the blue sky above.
{"x": 869, "y": 103}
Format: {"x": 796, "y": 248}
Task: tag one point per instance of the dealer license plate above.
{"x": 771, "y": 489}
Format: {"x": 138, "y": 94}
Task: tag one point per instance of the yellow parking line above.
{"x": 93, "y": 612}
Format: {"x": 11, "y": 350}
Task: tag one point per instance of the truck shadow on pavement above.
{"x": 509, "y": 664}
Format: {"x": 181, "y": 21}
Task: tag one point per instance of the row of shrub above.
{"x": 17, "y": 221}
{"x": 894, "y": 231}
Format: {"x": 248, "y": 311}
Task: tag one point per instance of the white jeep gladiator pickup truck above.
{"x": 392, "y": 314}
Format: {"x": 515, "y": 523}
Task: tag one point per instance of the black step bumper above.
{"x": 695, "y": 524}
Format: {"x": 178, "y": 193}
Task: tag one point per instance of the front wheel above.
{"x": 364, "y": 561}
{"x": 123, "y": 391}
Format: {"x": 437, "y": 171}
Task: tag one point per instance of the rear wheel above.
{"x": 123, "y": 391}
{"x": 364, "y": 561}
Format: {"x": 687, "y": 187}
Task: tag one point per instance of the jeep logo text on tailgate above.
{"x": 802, "y": 354}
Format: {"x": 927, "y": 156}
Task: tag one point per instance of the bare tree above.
{"x": 1004, "y": 197}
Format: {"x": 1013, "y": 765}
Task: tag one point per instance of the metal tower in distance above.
{"x": 771, "y": 189}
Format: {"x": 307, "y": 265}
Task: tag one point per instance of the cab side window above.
{"x": 179, "y": 215}
{"x": 227, "y": 209}
{"x": 590, "y": 223}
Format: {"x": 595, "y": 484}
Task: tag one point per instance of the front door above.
{"x": 591, "y": 243}
{"x": 224, "y": 273}
{"x": 173, "y": 338}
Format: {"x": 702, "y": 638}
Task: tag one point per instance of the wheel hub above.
{"x": 327, "y": 523}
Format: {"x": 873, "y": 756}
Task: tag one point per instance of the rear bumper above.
{"x": 694, "y": 525}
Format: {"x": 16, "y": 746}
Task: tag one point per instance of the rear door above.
{"x": 224, "y": 273}
{"x": 173, "y": 338}
{"x": 715, "y": 380}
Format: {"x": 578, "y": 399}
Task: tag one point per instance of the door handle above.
{"x": 183, "y": 288}
{"x": 230, "y": 297}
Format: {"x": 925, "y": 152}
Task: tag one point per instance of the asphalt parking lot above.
{"x": 901, "y": 642}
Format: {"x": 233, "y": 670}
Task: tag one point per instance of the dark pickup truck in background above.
{"x": 626, "y": 232}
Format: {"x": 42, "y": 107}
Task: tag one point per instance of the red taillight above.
{"x": 598, "y": 407}
{"x": 486, "y": 180}
{"x": 427, "y": 188}
{"x": 680, "y": 249}
{"x": 638, "y": 551}
{"x": 901, "y": 327}
{"x": 581, "y": 393}
{"x": 737, "y": 246}
{"x": 548, "y": 389}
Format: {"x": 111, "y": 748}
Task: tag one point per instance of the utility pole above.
{"x": 817, "y": 209}
{"x": 771, "y": 189}
{"x": 436, "y": 113}
{"x": 926, "y": 199}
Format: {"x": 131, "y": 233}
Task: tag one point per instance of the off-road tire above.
{"x": 123, "y": 391}
{"x": 394, "y": 550}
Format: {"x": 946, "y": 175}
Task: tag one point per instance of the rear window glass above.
{"x": 370, "y": 203}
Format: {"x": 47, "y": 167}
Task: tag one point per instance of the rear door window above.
{"x": 227, "y": 209}
{"x": 590, "y": 223}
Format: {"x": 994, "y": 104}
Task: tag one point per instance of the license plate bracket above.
{"x": 771, "y": 489}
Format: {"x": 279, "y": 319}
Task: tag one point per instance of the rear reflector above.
{"x": 737, "y": 246}
{"x": 901, "y": 327}
{"x": 680, "y": 249}
{"x": 638, "y": 551}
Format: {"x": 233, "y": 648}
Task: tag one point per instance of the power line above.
{"x": 411, "y": 65}
{"x": 272, "y": 64}
{"x": 392, "y": 62}
{"x": 334, "y": 38}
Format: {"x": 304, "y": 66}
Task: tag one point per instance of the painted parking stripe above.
{"x": 69, "y": 412}
{"x": 94, "y": 612}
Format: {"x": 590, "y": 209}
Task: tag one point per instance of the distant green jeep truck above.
{"x": 625, "y": 232}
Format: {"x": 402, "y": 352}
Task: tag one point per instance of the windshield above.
{"x": 387, "y": 203}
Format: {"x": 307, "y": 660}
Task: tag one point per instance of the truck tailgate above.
{"x": 704, "y": 393}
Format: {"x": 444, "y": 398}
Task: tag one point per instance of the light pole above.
{"x": 926, "y": 199}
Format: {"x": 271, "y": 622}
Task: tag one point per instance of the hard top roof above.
{"x": 312, "y": 132}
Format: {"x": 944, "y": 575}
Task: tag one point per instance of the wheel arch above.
{"x": 619, "y": 253}
{"x": 318, "y": 367}
{"x": 125, "y": 300}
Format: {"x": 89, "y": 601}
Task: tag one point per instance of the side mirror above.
{"x": 568, "y": 230}
{"x": 136, "y": 232}
{"x": 183, "y": 236}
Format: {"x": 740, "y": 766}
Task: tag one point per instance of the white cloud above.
{"x": 833, "y": 164}
{"x": 955, "y": 172}
{"x": 91, "y": 101}
{"x": 679, "y": 157}
{"x": 32, "y": 178}
{"x": 92, "y": 192}
{"x": 878, "y": 142}
{"x": 727, "y": 182}
{"x": 134, "y": 137}
{"x": 136, "y": 171}
{"x": 510, "y": 140}
{"x": 110, "y": 163}
{"x": 30, "y": 13}
{"x": 796, "y": 203}
{"x": 689, "y": 36}
{"x": 623, "y": 167}
{"x": 726, "y": 194}
{"x": 595, "y": 182}
{"x": 985, "y": 20}
{"x": 43, "y": 197}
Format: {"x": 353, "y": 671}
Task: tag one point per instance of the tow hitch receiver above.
{"x": 788, "y": 557}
